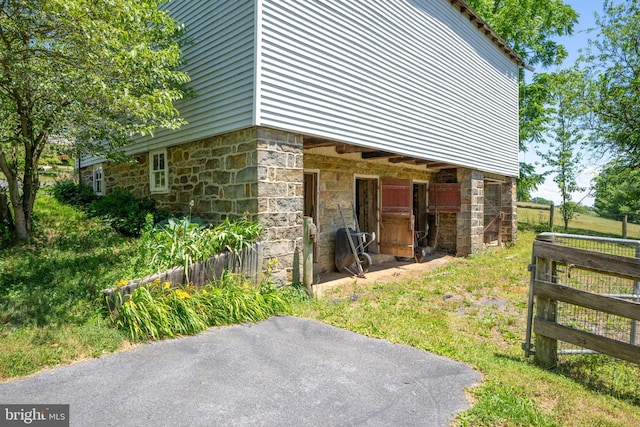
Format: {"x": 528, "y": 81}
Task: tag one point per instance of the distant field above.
{"x": 537, "y": 216}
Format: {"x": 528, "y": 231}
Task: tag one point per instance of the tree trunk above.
{"x": 22, "y": 209}
{"x": 5, "y": 213}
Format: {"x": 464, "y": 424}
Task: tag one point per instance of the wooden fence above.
{"x": 248, "y": 262}
{"x": 585, "y": 292}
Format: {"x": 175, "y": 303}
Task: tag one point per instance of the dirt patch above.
{"x": 379, "y": 273}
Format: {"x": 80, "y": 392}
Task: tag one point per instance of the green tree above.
{"x": 613, "y": 64}
{"x": 565, "y": 135}
{"x": 617, "y": 191}
{"x": 94, "y": 72}
{"x": 530, "y": 28}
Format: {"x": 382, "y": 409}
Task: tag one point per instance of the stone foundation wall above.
{"x": 447, "y": 231}
{"x": 221, "y": 176}
{"x": 470, "y": 232}
{"x": 280, "y": 200}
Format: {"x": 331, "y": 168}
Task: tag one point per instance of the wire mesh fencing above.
{"x": 580, "y": 292}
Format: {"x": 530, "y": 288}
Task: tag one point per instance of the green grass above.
{"x": 51, "y": 307}
{"x": 474, "y": 310}
{"x": 538, "y": 220}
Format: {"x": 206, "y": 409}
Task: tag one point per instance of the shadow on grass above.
{"x": 596, "y": 372}
{"x": 603, "y": 374}
{"x": 61, "y": 283}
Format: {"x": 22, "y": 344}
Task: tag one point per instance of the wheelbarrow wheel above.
{"x": 365, "y": 261}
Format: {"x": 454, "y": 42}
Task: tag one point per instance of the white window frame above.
{"x": 97, "y": 178}
{"x": 157, "y": 173}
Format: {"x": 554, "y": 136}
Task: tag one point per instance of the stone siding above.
{"x": 221, "y": 176}
{"x": 509, "y": 221}
{"x": 280, "y": 200}
{"x": 259, "y": 173}
{"x": 470, "y": 219}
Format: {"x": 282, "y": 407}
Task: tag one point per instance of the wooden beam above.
{"x": 611, "y": 305}
{"x": 438, "y": 165}
{"x": 377, "y": 154}
{"x": 347, "y": 148}
{"x": 318, "y": 142}
{"x": 601, "y": 344}
{"x": 401, "y": 159}
{"x": 614, "y": 265}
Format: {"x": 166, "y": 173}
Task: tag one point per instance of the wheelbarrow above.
{"x": 350, "y": 255}
{"x": 346, "y": 260}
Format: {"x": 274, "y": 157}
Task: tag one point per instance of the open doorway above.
{"x": 366, "y": 208}
{"x": 420, "y": 212}
{"x": 311, "y": 203}
{"x": 492, "y": 213}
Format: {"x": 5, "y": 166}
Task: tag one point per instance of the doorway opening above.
{"x": 420, "y": 212}
{"x": 366, "y": 208}
{"x": 310, "y": 208}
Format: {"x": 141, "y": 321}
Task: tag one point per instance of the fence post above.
{"x": 636, "y": 291}
{"x": 546, "y": 349}
{"x": 552, "y": 211}
{"x": 307, "y": 255}
{"x": 624, "y": 226}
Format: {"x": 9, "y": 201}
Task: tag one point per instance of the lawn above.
{"x": 537, "y": 217}
{"x": 472, "y": 310}
{"x": 51, "y": 308}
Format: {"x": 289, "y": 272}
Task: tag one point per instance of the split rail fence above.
{"x": 584, "y": 297}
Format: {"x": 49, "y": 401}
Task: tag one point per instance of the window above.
{"x": 158, "y": 171}
{"x": 98, "y": 185}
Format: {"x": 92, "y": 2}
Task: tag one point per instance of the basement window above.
{"x": 98, "y": 183}
{"x": 158, "y": 171}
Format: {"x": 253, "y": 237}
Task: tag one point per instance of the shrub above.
{"x": 124, "y": 212}
{"x": 70, "y": 193}
{"x": 157, "y": 311}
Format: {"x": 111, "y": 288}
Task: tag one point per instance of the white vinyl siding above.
{"x": 411, "y": 77}
{"x": 221, "y": 62}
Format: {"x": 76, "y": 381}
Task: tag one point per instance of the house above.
{"x": 405, "y": 111}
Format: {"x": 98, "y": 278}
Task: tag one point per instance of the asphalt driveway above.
{"x": 284, "y": 371}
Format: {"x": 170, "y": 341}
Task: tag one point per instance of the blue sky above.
{"x": 579, "y": 40}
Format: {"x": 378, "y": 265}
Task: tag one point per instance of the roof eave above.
{"x": 482, "y": 25}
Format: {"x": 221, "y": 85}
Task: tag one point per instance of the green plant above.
{"x": 183, "y": 241}
{"x": 124, "y": 212}
{"x": 73, "y": 194}
{"x": 172, "y": 244}
{"x": 158, "y": 311}
{"x": 231, "y": 236}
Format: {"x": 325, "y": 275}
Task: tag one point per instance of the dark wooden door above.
{"x": 396, "y": 218}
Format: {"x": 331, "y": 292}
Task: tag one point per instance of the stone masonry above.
{"x": 470, "y": 219}
{"x": 509, "y": 222}
{"x": 258, "y": 173}
{"x": 254, "y": 173}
